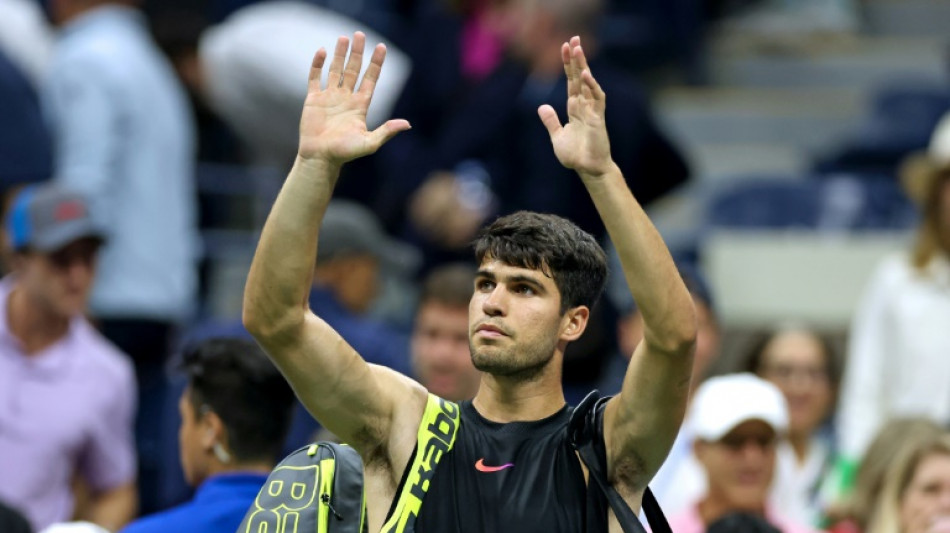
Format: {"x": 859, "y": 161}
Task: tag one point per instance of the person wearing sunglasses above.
{"x": 67, "y": 395}
{"x": 737, "y": 422}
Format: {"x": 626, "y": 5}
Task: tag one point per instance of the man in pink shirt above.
{"x": 67, "y": 396}
{"x": 737, "y": 421}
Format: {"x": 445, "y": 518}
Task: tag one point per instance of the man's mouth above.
{"x": 489, "y": 330}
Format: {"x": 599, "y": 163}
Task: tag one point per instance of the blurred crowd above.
{"x": 130, "y": 133}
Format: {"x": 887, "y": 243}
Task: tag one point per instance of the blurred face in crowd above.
{"x": 440, "y": 353}
{"x": 195, "y": 439}
{"x": 925, "y": 503}
{"x": 630, "y": 333}
{"x": 60, "y": 281}
{"x": 796, "y": 362}
{"x": 739, "y": 466}
{"x": 359, "y": 282}
{"x": 189, "y": 446}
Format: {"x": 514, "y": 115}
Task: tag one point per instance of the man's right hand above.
{"x": 333, "y": 122}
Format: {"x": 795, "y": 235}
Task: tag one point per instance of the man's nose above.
{"x": 494, "y": 302}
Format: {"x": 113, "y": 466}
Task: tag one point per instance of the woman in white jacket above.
{"x": 899, "y": 355}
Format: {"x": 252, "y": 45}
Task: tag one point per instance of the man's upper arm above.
{"x": 361, "y": 403}
{"x": 641, "y": 423}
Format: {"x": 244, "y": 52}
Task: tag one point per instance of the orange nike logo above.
{"x": 480, "y": 466}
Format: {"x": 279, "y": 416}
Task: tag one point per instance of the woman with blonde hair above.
{"x": 854, "y": 513}
{"x": 915, "y": 497}
{"x": 897, "y": 361}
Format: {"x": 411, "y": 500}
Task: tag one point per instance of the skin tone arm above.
{"x": 111, "y": 509}
{"x": 359, "y": 402}
{"x": 641, "y": 422}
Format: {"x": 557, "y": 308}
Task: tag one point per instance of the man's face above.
{"x": 361, "y": 284}
{"x": 190, "y": 448}
{"x": 739, "y": 466}
{"x": 440, "y": 353}
{"x": 515, "y": 322}
{"x": 61, "y": 280}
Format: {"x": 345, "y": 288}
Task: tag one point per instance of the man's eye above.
{"x": 484, "y": 285}
{"x": 524, "y": 289}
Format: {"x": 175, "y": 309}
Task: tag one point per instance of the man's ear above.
{"x": 212, "y": 430}
{"x": 574, "y": 323}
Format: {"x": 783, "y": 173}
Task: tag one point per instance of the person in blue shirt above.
{"x": 235, "y": 412}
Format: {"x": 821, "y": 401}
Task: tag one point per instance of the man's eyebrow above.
{"x": 487, "y": 274}
{"x": 521, "y": 278}
{"x": 532, "y": 282}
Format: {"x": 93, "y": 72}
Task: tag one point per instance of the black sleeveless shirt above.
{"x": 520, "y": 477}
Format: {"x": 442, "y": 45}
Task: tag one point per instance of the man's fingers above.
{"x": 316, "y": 67}
{"x": 387, "y": 131}
{"x": 578, "y": 56}
{"x": 339, "y": 58}
{"x": 355, "y": 62}
{"x": 591, "y": 84}
{"x": 549, "y": 119}
{"x": 573, "y": 89}
{"x": 371, "y": 76}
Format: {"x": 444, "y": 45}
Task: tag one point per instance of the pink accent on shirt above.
{"x": 482, "y": 49}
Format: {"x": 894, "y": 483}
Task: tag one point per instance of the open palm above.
{"x": 581, "y": 144}
{"x": 333, "y": 122}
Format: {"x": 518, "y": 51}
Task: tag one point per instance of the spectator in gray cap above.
{"x": 67, "y": 395}
{"x": 353, "y": 249}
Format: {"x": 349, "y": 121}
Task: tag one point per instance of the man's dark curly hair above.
{"x": 553, "y": 245}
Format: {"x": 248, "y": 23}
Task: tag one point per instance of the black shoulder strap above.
{"x": 586, "y": 434}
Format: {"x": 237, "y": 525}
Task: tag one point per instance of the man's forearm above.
{"x": 280, "y": 276}
{"x": 661, "y": 296}
{"x": 115, "y": 508}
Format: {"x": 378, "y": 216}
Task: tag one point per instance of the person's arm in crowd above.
{"x": 113, "y": 508}
{"x": 104, "y": 484}
{"x": 85, "y": 132}
{"x": 359, "y": 402}
{"x": 641, "y": 423}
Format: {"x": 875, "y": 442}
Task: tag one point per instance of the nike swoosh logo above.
{"x": 480, "y": 466}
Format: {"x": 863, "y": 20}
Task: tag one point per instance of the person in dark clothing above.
{"x": 493, "y": 127}
{"x": 235, "y": 412}
{"x": 742, "y": 523}
{"x": 26, "y": 154}
{"x": 11, "y": 521}
{"x": 513, "y": 466}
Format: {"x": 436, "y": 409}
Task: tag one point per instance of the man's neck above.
{"x": 35, "y": 326}
{"x": 501, "y": 399}
{"x": 246, "y": 467}
{"x": 712, "y": 508}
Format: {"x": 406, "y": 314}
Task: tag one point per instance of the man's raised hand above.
{"x": 582, "y": 143}
{"x": 333, "y": 122}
